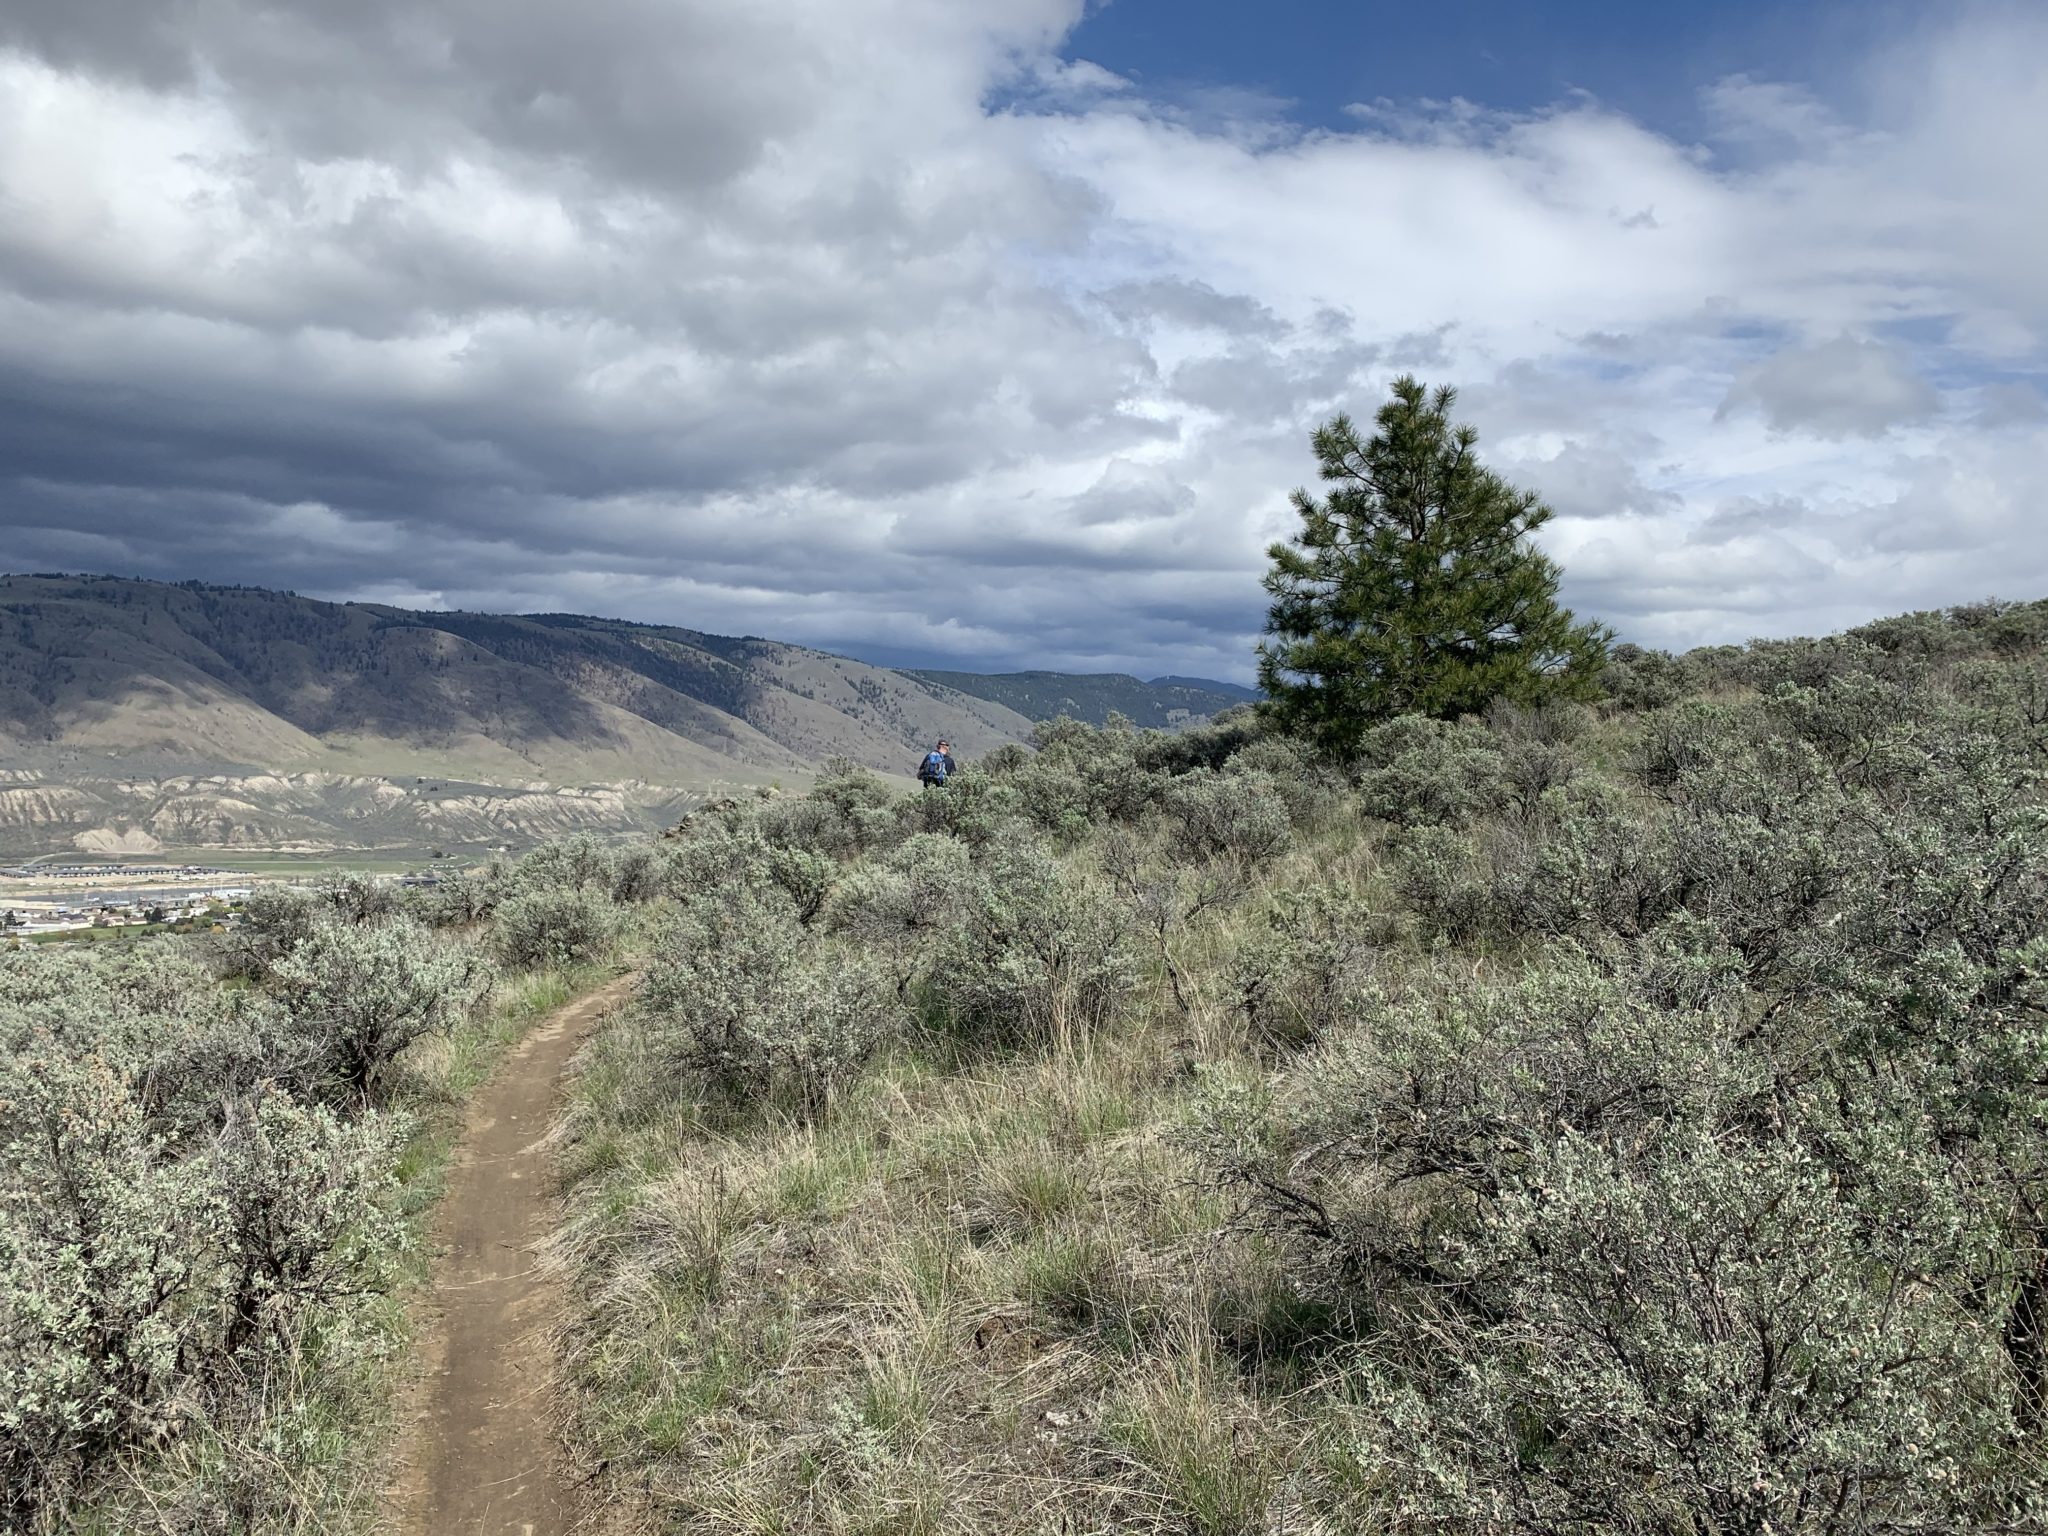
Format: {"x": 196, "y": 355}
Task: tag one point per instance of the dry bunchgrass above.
{"x": 285, "y": 1458}
{"x": 982, "y": 1294}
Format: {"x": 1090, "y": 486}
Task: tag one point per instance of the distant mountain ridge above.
{"x": 1237, "y": 691}
{"x": 1163, "y": 703}
{"x": 191, "y": 715}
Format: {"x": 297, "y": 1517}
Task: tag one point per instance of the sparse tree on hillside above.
{"x": 1412, "y": 587}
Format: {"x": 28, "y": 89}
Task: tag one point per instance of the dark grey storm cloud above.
{"x": 759, "y": 318}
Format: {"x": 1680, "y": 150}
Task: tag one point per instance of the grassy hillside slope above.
{"x": 1596, "y": 1122}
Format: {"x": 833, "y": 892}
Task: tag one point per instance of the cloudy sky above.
{"x": 988, "y": 333}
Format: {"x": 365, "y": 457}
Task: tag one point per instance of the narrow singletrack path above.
{"x": 481, "y": 1457}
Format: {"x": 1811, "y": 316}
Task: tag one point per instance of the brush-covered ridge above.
{"x": 1573, "y": 1120}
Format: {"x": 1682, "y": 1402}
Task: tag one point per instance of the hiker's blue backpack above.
{"x": 934, "y": 769}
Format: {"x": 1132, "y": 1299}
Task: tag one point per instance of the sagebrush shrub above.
{"x": 1307, "y": 970}
{"x": 1308, "y": 791}
{"x": 846, "y": 811}
{"x": 1694, "y": 1337}
{"x": 1061, "y": 734}
{"x": 580, "y": 862}
{"x": 274, "y": 921}
{"x": 1628, "y": 1264}
{"x": 849, "y": 788}
{"x": 806, "y": 878}
{"x": 1053, "y": 796}
{"x": 977, "y": 807}
{"x": 355, "y": 998}
{"x": 919, "y": 889}
{"x": 1585, "y": 859}
{"x": 1212, "y": 744}
{"x": 637, "y": 876}
{"x": 1239, "y": 815}
{"x": 105, "y": 1281}
{"x": 1415, "y": 771}
{"x": 1439, "y": 877}
{"x": 1085, "y": 776}
{"x": 1537, "y": 749}
{"x": 158, "y": 1016}
{"x": 1556, "y": 724}
{"x": 741, "y": 856}
{"x": 1009, "y": 758}
{"x": 743, "y": 999}
{"x": 356, "y": 898}
{"x": 1636, "y": 679}
{"x": 455, "y": 901}
{"x": 807, "y": 825}
{"x": 1671, "y": 743}
{"x": 309, "y": 1212}
{"x": 562, "y": 925}
{"x": 1040, "y": 953}
{"x": 169, "y": 1210}
{"x": 713, "y": 857}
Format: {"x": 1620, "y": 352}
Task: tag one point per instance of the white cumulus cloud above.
{"x": 881, "y": 324}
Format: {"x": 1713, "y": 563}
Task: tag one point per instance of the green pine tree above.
{"x": 1412, "y": 587}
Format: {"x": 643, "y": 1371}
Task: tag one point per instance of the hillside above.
{"x": 1165, "y": 703}
{"x": 1236, "y": 691}
{"x": 136, "y": 715}
{"x": 1630, "y": 1119}
{"x": 271, "y": 680}
{"x": 1603, "y": 1122}
{"x": 139, "y": 715}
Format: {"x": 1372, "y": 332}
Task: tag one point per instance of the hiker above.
{"x": 937, "y": 764}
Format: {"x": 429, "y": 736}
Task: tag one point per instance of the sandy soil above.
{"x": 481, "y": 1458}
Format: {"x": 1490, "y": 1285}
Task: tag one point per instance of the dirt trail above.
{"x": 481, "y": 1458}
